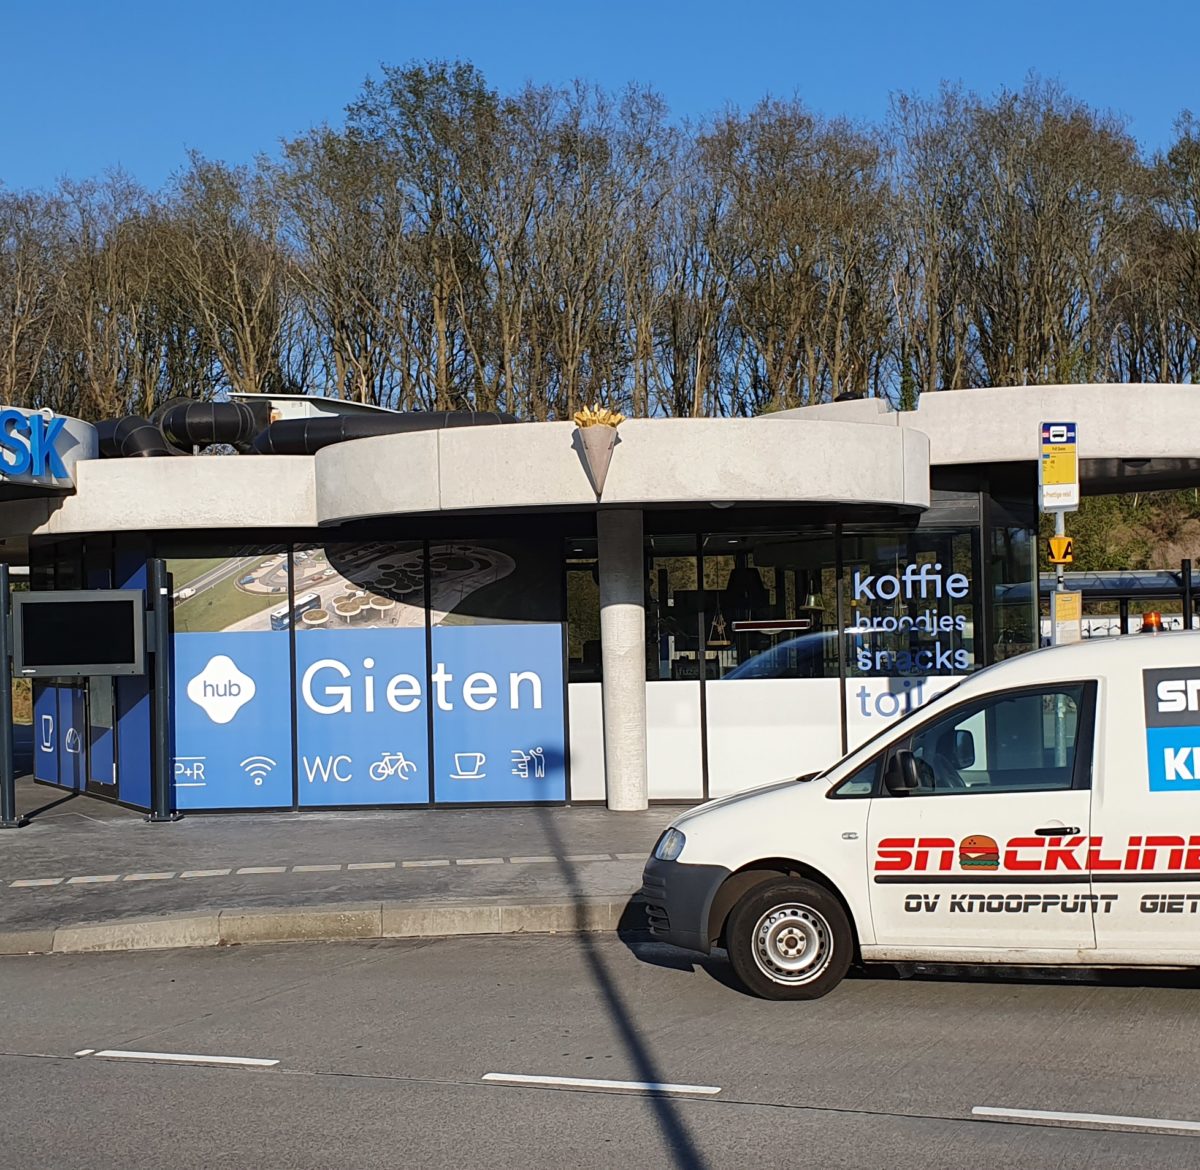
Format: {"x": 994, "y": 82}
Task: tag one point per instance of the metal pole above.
{"x": 160, "y": 629}
{"x": 1060, "y": 586}
{"x": 8, "y": 778}
{"x": 1186, "y": 573}
{"x": 1060, "y": 529}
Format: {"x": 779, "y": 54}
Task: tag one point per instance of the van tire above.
{"x": 789, "y": 939}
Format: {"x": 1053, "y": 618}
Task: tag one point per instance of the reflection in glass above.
{"x": 1013, "y": 581}
{"x": 771, "y": 606}
{"x": 583, "y": 611}
{"x": 494, "y": 582}
{"x": 674, "y": 609}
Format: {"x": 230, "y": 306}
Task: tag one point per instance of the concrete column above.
{"x": 623, "y": 656}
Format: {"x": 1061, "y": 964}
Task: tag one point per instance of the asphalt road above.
{"x": 383, "y": 1047}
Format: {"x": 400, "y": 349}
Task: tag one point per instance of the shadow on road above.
{"x": 35, "y": 812}
{"x": 676, "y": 1135}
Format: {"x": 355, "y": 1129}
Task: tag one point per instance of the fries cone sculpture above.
{"x": 598, "y": 435}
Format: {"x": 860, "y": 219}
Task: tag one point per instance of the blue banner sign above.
{"x": 362, "y": 733}
{"x": 362, "y": 717}
{"x": 233, "y": 727}
{"x": 498, "y": 723}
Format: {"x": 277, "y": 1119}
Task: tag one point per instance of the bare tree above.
{"x": 230, "y": 262}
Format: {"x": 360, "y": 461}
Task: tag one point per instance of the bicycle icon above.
{"x": 391, "y": 764}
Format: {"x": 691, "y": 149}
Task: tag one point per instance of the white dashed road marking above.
{"x": 422, "y": 863}
{"x": 1114, "y": 1120}
{"x": 183, "y": 1058}
{"x": 590, "y": 1083}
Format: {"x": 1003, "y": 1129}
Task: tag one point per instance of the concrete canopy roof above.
{"x": 529, "y": 466}
{"x": 1119, "y": 422}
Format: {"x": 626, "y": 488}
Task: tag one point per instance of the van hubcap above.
{"x": 792, "y": 943}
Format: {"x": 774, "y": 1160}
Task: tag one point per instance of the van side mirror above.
{"x": 964, "y": 749}
{"x": 902, "y": 775}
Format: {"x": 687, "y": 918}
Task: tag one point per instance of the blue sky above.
{"x": 89, "y": 85}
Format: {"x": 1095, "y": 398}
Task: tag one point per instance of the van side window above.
{"x": 1020, "y": 741}
{"x": 859, "y": 783}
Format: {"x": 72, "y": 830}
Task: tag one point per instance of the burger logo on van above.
{"x": 978, "y": 852}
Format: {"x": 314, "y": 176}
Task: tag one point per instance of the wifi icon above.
{"x": 258, "y": 768}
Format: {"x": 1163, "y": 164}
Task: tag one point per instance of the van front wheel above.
{"x": 789, "y": 939}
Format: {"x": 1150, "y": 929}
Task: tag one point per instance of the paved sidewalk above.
{"x": 84, "y": 862}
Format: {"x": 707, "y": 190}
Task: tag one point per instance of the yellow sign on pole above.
{"x": 1062, "y": 550}
{"x": 1066, "y": 616}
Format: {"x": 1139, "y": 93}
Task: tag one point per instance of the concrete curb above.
{"x": 371, "y": 920}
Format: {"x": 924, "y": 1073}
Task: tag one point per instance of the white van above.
{"x": 1043, "y": 811}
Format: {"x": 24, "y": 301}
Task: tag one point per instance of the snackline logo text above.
{"x": 1171, "y": 698}
{"x": 1075, "y": 854}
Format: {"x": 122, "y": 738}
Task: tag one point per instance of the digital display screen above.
{"x": 61, "y": 636}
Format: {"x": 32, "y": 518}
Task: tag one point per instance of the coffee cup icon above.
{"x": 468, "y": 766}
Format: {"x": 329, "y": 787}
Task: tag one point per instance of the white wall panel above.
{"x": 761, "y": 730}
{"x": 585, "y": 731}
{"x": 674, "y": 759}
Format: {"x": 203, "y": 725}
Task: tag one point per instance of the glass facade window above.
{"x": 910, "y": 603}
{"x": 771, "y": 606}
{"x": 367, "y": 673}
{"x": 583, "y": 611}
{"x": 362, "y": 735}
{"x": 230, "y": 589}
{"x": 675, "y": 608}
{"x": 232, "y": 676}
{"x": 376, "y": 671}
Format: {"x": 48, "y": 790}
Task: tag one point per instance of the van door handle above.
{"x": 1057, "y": 831}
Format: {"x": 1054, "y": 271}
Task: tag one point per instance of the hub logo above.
{"x": 220, "y": 689}
{"x": 1172, "y": 704}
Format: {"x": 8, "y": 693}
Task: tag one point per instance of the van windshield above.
{"x": 866, "y": 746}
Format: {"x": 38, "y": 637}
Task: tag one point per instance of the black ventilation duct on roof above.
{"x": 131, "y": 437}
{"x": 306, "y": 436}
{"x": 201, "y": 424}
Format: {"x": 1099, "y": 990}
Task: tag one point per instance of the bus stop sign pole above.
{"x": 8, "y": 777}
